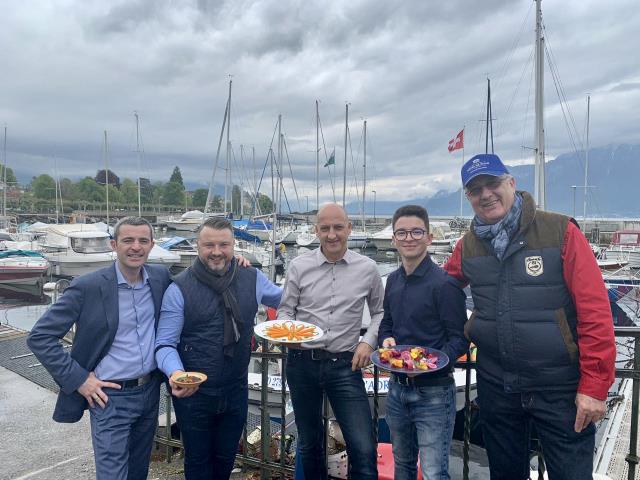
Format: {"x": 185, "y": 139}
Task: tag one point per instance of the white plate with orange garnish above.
{"x": 288, "y": 331}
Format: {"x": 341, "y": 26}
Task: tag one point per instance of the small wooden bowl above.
{"x": 188, "y": 379}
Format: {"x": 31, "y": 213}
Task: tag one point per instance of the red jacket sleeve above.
{"x": 454, "y": 265}
{"x": 596, "y": 340}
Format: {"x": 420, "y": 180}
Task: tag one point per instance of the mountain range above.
{"x": 614, "y": 179}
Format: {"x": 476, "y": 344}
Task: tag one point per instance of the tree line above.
{"x": 43, "y": 194}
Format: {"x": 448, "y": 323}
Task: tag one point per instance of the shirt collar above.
{"x": 322, "y": 259}
{"x": 122, "y": 280}
{"x": 425, "y": 265}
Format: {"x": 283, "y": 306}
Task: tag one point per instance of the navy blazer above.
{"x": 91, "y": 302}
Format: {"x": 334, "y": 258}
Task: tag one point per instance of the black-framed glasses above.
{"x": 416, "y": 234}
{"x": 492, "y": 183}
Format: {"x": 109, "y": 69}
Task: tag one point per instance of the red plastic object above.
{"x": 385, "y": 462}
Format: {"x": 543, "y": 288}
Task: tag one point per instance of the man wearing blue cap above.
{"x": 542, "y": 324}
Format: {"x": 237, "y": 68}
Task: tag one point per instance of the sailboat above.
{"x": 357, "y": 238}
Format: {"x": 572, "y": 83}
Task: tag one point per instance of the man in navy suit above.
{"x": 111, "y": 369}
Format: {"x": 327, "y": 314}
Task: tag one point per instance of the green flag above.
{"x": 332, "y": 159}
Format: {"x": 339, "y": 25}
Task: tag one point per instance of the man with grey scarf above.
{"x": 542, "y": 324}
{"x": 206, "y": 325}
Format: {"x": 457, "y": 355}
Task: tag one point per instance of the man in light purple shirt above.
{"x": 329, "y": 287}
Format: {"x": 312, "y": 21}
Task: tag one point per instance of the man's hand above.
{"x": 389, "y": 342}
{"x": 242, "y": 261}
{"x": 91, "y": 389}
{"x": 362, "y": 356}
{"x": 180, "y": 391}
{"x": 589, "y": 410}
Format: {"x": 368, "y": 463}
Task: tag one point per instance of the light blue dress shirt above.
{"x": 131, "y": 354}
{"x": 172, "y": 320}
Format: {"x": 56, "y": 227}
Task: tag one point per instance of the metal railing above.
{"x": 269, "y": 465}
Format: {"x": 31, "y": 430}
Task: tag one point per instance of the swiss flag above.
{"x": 457, "y": 142}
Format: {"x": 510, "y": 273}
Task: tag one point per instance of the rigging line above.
{"x": 526, "y": 115}
{"x": 527, "y": 66}
{"x": 556, "y": 74}
{"x": 516, "y": 41}
{"x": 270, "y": 151}
{"x": 353, "y": 166}
{"x": 245, "y": 175}
{"x": 281, "y": 177}
{"x": 324, "y": 146}
{"x": 211, "y": 191}
{"x": 293, "y": 180}
{"x": 564, "y": 106}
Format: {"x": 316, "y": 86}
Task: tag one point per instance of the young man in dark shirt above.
{"x": 422, "y": 306}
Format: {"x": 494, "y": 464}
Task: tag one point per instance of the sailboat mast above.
{"x": 586, "y": 164}
{"x": 539, "y": 181}
{"x": 106, "y": 172}
{"x": 344, "y": 171}
{"x": 211, "y": 192}
{"x": 4, "y": 174}
{"x": 462, "y": 189}
{"x": 55, "y": 170}
{"x": 317, "y": 157}
{"x": 228, "y": 173}
{"x": 364, "y": 177}
{"x": 486, "y": 133}
{"x": 279, "y": 169}
{"x": 255, "y": 181}
{"x": 241, "y": 180}
{"x": 135, "y": 114}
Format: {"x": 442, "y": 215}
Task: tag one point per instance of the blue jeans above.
{"x": 506, "y": 419}
{"x": 308, "y": 379}
{"x": 421, "y": 420}
{"x": 210, "y": 428}
{"x": 122, "y": 432}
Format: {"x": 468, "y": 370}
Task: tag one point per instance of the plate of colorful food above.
{"x": 188, "y": 379}
{"x": 288, "y": 331}
{"x": 410, "y": 359}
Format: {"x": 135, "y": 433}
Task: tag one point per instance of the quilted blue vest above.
{"x": 201, "y": 343}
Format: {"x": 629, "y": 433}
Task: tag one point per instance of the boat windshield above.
{"x": 91, "y": 245}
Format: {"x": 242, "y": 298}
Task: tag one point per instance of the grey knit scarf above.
{"x": 500, "y": 233}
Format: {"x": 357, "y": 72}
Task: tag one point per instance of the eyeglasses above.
{"x": 476, "y": 189}
{"x": 416, "y": 234}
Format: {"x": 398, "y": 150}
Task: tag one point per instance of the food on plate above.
{"x": 188, "y": 379}
{"x": 288, "y": 331}
{"x": 415, "y": 358}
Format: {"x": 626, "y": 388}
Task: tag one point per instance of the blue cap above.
{"x": 483, "y": 164}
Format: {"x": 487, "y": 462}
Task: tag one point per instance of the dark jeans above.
{"x": 122, "y": 432}
{"x": 210, "y": 428}
{"x": 506, "y": 420}
{"x": 307, "y": 380}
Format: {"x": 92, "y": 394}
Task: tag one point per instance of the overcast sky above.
{"x": 415, "y": 70}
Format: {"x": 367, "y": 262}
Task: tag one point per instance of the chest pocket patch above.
{"x": 534, "y": 266}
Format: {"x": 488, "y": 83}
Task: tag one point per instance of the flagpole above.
{"x": 462, "y": 188}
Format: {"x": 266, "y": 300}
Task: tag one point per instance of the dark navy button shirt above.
{"x": 425, "y": 308}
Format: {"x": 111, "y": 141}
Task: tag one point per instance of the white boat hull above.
{"x": 76, "y": 265}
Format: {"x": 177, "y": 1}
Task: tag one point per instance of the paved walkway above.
{"x": 34, "y": 447}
